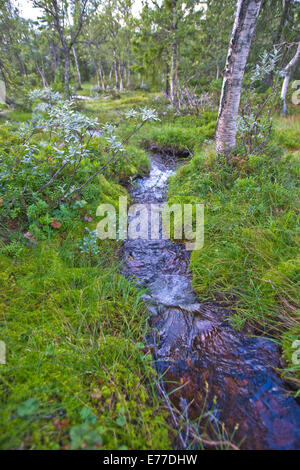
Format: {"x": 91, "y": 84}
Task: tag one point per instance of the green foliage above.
{"x": 76, "y": 375}
{"x": 28, "y": 408}
{"x": 89, "y": 243}
{"x": 55, "y": 159}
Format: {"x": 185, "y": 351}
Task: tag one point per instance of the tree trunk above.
{"x": 102, "y": 75}
{"x": 21, "y": 63}
{"x": 42, "y": 74}
{"x": 284, "y": 89}
{"x": 54, "y": 59}
{"x": 116, "y": 74}
{"x": 98, "y": 78}
{"x": 115, "y": 65}
{"x": 77, "y": 68}
{"x": 67, "y": 72}
{"x": 241, "y": 38}
{"x": 287, "y": 71}
{"x": 167, "y": 84}
{"x": 283, "y": 19}
{"x": 121, "y": 86}
{"x": 128, "y": 74}
{"x": 173, "y": 73}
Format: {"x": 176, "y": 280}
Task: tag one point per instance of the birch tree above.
{"x": 287, "y": 71}
{"x": 241, "y": 38}
{"x": 57, "y": 13}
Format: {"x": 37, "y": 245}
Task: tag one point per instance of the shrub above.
{"x": 53, "y": 160}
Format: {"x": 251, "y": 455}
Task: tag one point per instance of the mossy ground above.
{"x": 77, "y": 373}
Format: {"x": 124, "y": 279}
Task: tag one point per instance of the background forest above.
{"x": 117, "y": 45}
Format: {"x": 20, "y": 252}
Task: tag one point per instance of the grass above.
{"x": 14, "y": 115}
{"x": 250, "y": 259}
{"x": 287, "y": 133}
{"x": 108, "y": 109}
{"x": 77, "y": 373}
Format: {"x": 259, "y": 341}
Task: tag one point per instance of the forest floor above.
{"x": 78, "y": 374}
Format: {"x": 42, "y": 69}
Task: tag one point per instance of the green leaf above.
{"x": 121, "y": 421}
{"x": 85, "y": 437}
{"x": 87, "y": 416}
{"x": 28, "y": 408}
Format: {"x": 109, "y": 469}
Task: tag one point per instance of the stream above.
{"x": 206, "y": 364}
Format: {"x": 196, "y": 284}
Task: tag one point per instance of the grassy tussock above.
{"x": 250, "y": 259}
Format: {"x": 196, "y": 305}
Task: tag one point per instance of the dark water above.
{"x": 197, "y": 348}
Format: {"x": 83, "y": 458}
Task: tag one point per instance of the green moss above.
{"x": 110, "y": 192}
{"x": 291, "y": 353}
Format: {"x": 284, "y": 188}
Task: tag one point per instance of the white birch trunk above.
{"x": 77, "y": 68}
{"x": 287, "y": 71}
{"x": 241, "y": 38}
{"x": 284, "y": 90}
{"x": 44, "y": 80}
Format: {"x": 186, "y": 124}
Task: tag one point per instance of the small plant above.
{"x": 255, "y": 121}
{"x": 28, "y": 408}
{"x": 89, "y": 245}
{"x": 14, "y": 249}
{"x": 267, "y": 65}
{"x": 254, "y": 133}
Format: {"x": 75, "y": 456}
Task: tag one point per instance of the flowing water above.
{"x": 203, "y": 359}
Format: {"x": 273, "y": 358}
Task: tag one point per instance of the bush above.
{"x": 55, "y": 159}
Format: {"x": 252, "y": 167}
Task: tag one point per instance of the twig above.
{"x": 214, "y": 443}
{"x": 169, "y": 405}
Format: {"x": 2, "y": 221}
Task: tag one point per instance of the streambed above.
{"x": 202, "y": 358}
